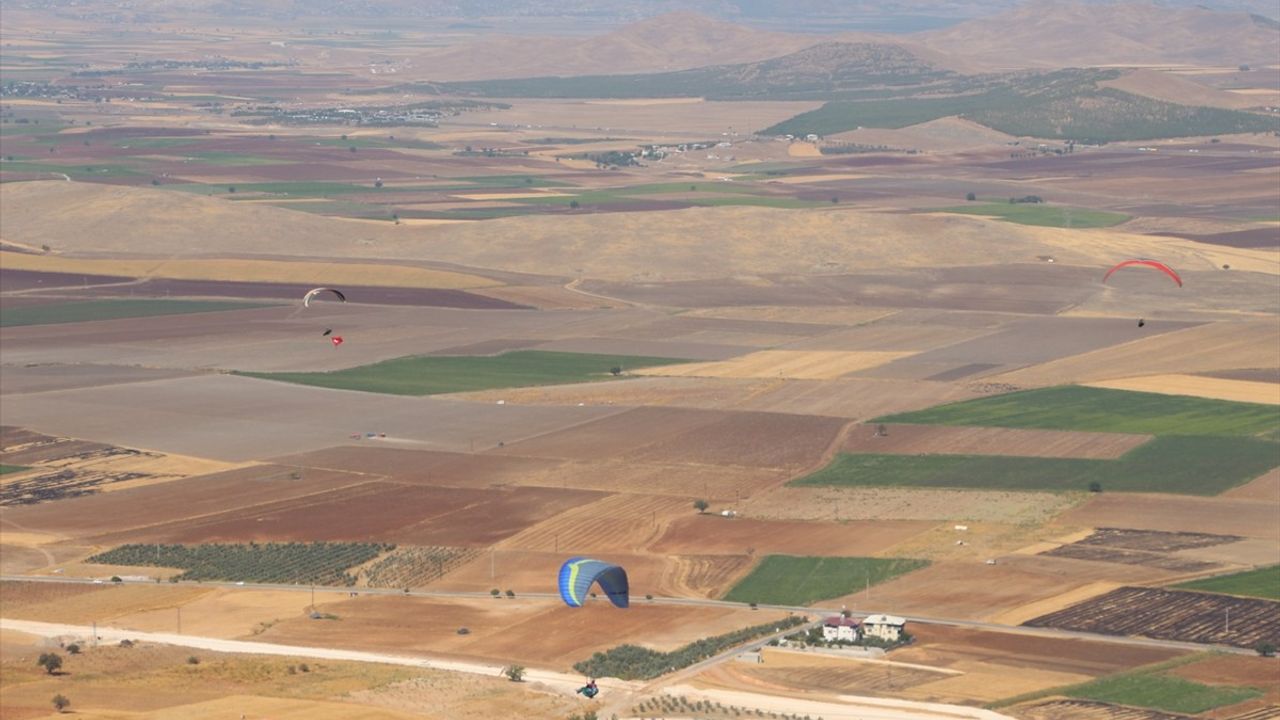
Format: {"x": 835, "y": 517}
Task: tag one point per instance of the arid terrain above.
{"x": 689, "y": 296}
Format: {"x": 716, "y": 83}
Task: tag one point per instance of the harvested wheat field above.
{"x": 812, "y": 365}
{"x": 977, "y": 591}
{"x": 1169, "y": 513}
{"x": 713, "y": 534}
{"x": 1198, "y": 386}
{"x": 1205, "y": 348}
{"x": 1266, "y": 488}
{"x": 616, "y": 523}
{"x": 73, "y": 604}
{"x": 829, "y": 503}
{"x": 949, "y": 440}
{"x": 536, "y": 632}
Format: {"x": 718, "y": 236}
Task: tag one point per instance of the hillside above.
{"x": 1178, "y": 89}
{"x": 1046, "y": 33}
{"x": 685, "y": 245}
{"x": 820, "y": 71}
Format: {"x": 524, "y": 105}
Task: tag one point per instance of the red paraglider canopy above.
{"x": 1149, "y": 263}
{"x": 336, "y": 340}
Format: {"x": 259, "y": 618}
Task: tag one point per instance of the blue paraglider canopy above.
{"x": 578, "y": 574}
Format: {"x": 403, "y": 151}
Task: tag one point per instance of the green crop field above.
{"x": 6, "y": 469}
{"x": 423, "y": 375}
{"x": 1041, "y": 215}
{"x": 1161, "y": 692}
{"x": 1080, "y": 408}
{"x": 88, "y": 310}
{"x": 791, "y": 580}
{"x": 1188, "y": 465}
{"x": 320, "y": 563}
{"x": 1262, "y": 583}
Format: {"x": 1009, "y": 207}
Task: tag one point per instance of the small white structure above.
{"x": 885, "y": 627}
{"x": 839, "y": 627}
{"x": 962, "y": 528}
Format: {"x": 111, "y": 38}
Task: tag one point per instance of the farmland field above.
{"x": 1172, "y": 615}
{"x": 791, "y": 580}
{"x": 6, "y": 469}
{"x": 89, "y": 310}
{"x": 1185, "y": 465}
{"x": 1099, "y": 410}
{"x": 1162, "y": 692}
{"x": 1259, "y": 583}
{"x": 440, "y": 374}
{"x": 1043, "y": 215}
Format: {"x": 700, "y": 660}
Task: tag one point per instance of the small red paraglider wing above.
{"x": 1149, "y": 263}
{"x": 336, "y": 340}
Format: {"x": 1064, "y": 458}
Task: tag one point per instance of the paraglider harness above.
{"x": 590, "y": 689}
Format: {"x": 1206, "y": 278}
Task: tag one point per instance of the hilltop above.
{"x": 1045, "y": 33}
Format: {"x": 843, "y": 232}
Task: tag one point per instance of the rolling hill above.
{"x": 1046, "y": 33}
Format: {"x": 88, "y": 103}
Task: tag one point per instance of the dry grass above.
{"x": 1199, "y": 386}
{"x": 251, "y": 271}
{"x": 791, "y": 364}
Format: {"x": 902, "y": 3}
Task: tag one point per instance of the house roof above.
{"x": 837, "y": 621}
{"x": 884, "y": 620}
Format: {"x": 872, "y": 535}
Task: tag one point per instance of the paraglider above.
{"x": 578, "y": 574}
{"x": 336, "y": 340}
{"x": 311, "y": 294}
{"x": 327, "y": 332}
{"x": 1148, "y": 263}
{"x": 590, "y": 689}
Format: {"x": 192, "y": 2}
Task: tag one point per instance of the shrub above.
{"x": 60, "y": 702}
{"x": 514, "y": 673}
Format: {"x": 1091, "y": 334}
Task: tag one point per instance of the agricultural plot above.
{"x": 1172, "y": 615}
{"x": 434, "y": 375}
{"x": 1041, "y": 215}
{"x": 295, "y": 563}
{"x": 91, "y": 310}
{"x": 1143, "y": 547}
{"x": 6, "y": 469}
{"x": 1161, "y": 692}
{"x": 1100, "y": 410}
{"x": 1259, "y": 583}
{"x": 790, "y": 580}
{"x": 409, "y": 567}
{"x": 958, "y": 440}
{"x": 1184, "y": 465}
{"x": 1089, "y": 710}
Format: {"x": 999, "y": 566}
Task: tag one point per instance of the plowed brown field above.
{"x": 1220, "y": 516}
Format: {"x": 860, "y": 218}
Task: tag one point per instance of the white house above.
{"x": 885, "y": 627}
{"x": 838, "y": 627}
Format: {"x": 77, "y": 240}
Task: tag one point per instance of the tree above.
{"x": 377, "y": 183}
{"x": 231, "y": 189}
{"x": 573, "y": 204}
{"x": 73, "y": 649}
{"x": 970, "y": 197}
{"x": 514, "y": 673}
{"x": 834, "y": 199}
{"x": 116, "y": 579}
{"x": 1265, "y": 649}
{"x": 193, "y": 660}
{"x": 616, "y": 370}
{"x": 1095, "y": 487}
{"x": 495, "y": 592}
{"x": 50, "y": 662}
{"x": 701, "y": 505}
{"x": 511, "y": 594}
{"x": 155, "y": 181}
{"x": 60, "y": 702}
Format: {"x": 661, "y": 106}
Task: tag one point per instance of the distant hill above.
{"x": 675, "y": 41}
{"x": 825, "y": 70}
{"x": 1048, "y": 33}
{"x": 1179, "y": 89}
